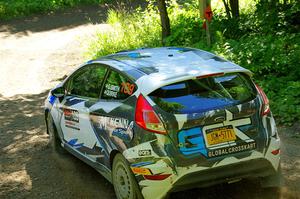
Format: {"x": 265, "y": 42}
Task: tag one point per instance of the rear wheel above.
{"x": 54, "y": 140}
{"x": 124, "y": 182}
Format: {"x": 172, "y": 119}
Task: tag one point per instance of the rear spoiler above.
{"x": 155, "y": 81}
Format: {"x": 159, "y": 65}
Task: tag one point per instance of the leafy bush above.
{"x": 265, "y": 55}
{"x": 284, "y": 96}
{"x": 128, "y": 31}
{"x": 186, "y": 26}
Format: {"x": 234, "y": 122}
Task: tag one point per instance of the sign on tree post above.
{"x": 206, "y": 14}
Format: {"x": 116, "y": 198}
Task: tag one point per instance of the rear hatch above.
{"x": 211, "y": 118}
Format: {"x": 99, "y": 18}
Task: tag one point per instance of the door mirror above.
{"x": 58, "y": 92}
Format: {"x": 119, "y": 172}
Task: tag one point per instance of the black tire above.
{"x": 54, "y": 140}
{"x": 124, "y": 182}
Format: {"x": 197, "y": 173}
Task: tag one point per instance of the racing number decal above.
{"x": 127, "y": 88}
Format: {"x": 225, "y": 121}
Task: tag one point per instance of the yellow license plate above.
{"x": 220, "y": 135}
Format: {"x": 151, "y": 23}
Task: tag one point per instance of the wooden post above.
{"x": 208, "y": 38}
{"x": 206, "y": 14}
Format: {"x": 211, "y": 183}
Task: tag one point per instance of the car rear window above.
{"x": 199, "y": 95}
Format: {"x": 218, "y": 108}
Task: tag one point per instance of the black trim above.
{"x": 246, "y": 169}
{"x": 102, "y": 169}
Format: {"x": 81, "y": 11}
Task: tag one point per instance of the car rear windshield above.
{"x": 199, "y": 95}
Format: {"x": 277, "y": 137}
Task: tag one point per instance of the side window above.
{"x": 117, "y": 87}
{"x": 87, "y": 82}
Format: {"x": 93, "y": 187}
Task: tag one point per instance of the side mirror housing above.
{"x": 58, "y": 92}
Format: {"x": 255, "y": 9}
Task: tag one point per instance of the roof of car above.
{"x": 169, "y": 64}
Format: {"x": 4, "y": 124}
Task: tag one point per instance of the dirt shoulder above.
{"x": 34, "y": 53}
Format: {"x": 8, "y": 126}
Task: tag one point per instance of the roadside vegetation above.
{"x": 17, "y": 8}
{"x": 264, "y": 39}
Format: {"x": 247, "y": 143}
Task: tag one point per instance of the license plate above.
{"x": 220, "y": 135}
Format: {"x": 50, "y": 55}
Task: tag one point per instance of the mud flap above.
{"x": 275, "y": 180}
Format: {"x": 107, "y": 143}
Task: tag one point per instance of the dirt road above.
{"x": 34, "y": 53}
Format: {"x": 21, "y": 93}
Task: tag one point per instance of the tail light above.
{"x": 275, "y": 152}
{"x": 156, "y": 177}
{"x": 266, "y": 107}
{"x": 146, "y": 118}
{"x": 209, "y": 75}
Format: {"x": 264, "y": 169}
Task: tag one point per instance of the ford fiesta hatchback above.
{"x": 155, "y": 121}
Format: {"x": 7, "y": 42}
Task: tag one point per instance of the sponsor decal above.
{"x": 71, "y": 115}
{"x": 124, "y": 134}
{"x": 191, "y": 141}
{"x": 145, "y": 152}
{"x": 120, "y": 127}
{"x": 108, "y": 122}
{"x": 71, "y": 118}
{"x": 230, "y": 150}
{"x": 141, "y": 171}
{"x": 217, "y": 139}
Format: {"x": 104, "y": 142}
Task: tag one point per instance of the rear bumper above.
{"x": 229, "y": 169}
{"x": 246, "y": 169}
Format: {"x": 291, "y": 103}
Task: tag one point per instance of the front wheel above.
{"x": 124, "y": 182}
{"x": 54, "y": 140}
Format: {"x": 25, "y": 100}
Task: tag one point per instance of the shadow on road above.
{"x": 61, "y": 20}
{"x": 29, "y": 168}
{"x": 67, "y": 18}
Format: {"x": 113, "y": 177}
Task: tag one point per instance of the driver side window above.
{"x": 87, "y": 82}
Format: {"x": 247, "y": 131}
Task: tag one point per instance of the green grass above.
{"x": 18, "y": 8}
{"x": 262, "y": 40}
{"x": 140, "y": 29}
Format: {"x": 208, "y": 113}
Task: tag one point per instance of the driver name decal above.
{"x": 111, "y": 90}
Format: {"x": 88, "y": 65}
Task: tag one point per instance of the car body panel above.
{"x": 94, "y": 130}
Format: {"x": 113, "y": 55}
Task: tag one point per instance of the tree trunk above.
{"x": 234, "y": 4}
{"x": 227, "y": 9}
{"x": 165, "y": 21}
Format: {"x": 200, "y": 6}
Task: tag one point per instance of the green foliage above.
{"x": 128, "y": 31}
{"x": 17, "y": 8}
{"x": 265, "y": 55}
{"x": 265, "y": 40}
{"x": 284, "y": 96}
{"x": 185, "y": 26}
